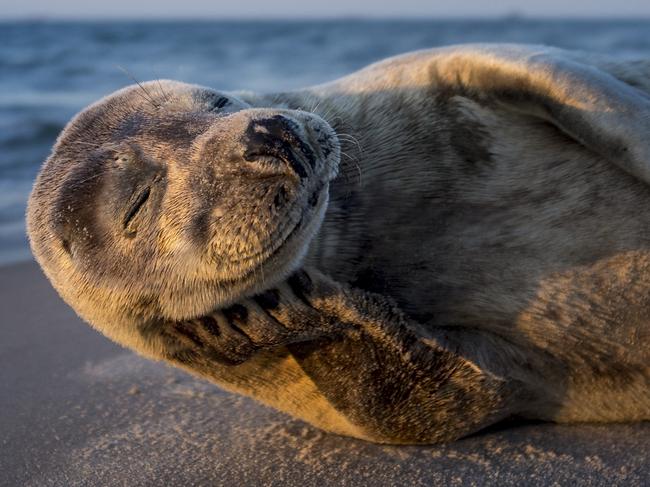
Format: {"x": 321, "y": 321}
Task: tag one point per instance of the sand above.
{"x": 76, "y": 409}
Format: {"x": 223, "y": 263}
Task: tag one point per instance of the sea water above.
{"x": 51, "y": 70}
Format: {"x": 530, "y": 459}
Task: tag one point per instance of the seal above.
{"x": 407, "y": 254}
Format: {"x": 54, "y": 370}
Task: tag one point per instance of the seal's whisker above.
{"x": 355, "y": 162}
{"x": 164, "y": 95}
{"x": 315, "y": 107}
{"x": 323, "y": 114}
{"x": 333, "y": 119}
{"x": 147, "y": 95}
{"x": 162, "y": 91}
{"x": 352, "y": 139}
{"x": 77, "y": 184}
{"x": 327, "y": 115}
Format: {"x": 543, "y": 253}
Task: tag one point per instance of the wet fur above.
{"x": 485, "y": 240}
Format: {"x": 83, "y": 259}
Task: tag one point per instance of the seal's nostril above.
{"x": 65, "y": 243}
{"x": 254, "y": 155}
{"x": 313, "y": 199}
{"x": 281, "y": 198}
{"x": 279, "y": 137}
{"x": 277, "y": 126}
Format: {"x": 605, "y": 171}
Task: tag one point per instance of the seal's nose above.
{"x": 279, "y": 137}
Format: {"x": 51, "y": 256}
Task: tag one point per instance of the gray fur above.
{"x": 479, "y": 212}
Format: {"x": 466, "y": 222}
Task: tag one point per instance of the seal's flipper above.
{"x": 600, "y": 111}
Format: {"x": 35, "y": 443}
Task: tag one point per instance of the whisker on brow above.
{"x": 164, "y": 95}
{"x": 162, "y": 91}
{"x": 78, "y": 184}
{"x": 147, "y": 95}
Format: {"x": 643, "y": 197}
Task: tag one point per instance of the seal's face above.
{"x": 171, "y": 200}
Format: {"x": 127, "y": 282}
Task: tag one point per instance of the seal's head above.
{"x": 168, "y": 200}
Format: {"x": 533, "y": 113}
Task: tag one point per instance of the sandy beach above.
{"x": 75, "y": 409}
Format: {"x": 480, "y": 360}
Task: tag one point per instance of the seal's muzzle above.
{"x": 279, "y": 137}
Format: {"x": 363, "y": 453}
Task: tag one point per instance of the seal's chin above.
{"x": 285, "y": 254}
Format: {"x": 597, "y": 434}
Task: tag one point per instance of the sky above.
{"x": 215, "y": 9}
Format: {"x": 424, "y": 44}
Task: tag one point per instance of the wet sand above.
{"x": 75, "y": 409}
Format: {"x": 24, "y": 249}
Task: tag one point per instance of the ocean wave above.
{"x": 50, "y": 70}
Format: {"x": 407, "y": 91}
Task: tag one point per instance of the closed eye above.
{"x": 219, "y": 103}
{"x": 134, "y": 209}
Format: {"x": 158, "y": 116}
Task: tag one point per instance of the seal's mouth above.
{"x": 315, "y": 201}
{"x": 290, "y": 247}
{"x": 290, "y": 230}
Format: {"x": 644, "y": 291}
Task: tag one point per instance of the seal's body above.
{"x": 485, "y": 233}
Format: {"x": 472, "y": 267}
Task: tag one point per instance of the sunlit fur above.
{"x": 497, "y": 193}
{"x": 209, "y": 227}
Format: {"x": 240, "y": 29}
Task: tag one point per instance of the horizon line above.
{"x": 331, "y": 18}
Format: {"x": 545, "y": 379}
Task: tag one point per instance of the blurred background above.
{"x": 57, "y": 57}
